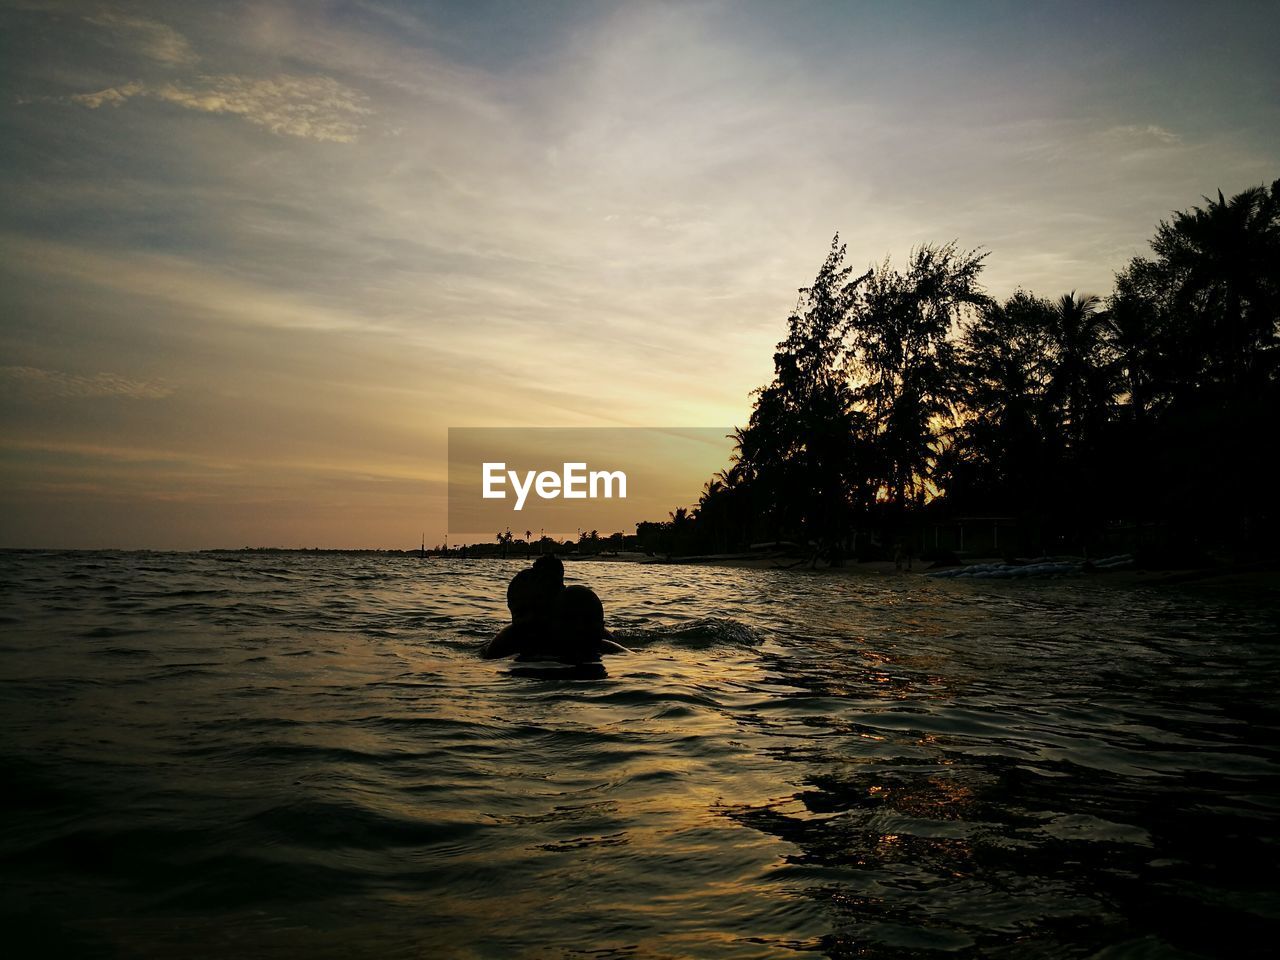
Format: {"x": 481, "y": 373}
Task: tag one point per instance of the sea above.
{"x": 302, "y": 755}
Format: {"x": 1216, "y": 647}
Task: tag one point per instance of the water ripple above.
{"x": 305, "y": 755}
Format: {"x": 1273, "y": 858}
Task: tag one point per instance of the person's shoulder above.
{"x": 514, "y": 638}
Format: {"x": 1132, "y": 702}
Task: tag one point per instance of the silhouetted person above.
{"x": 579, "y": 625}
{"x": 531, "y": 595}
{"x": 550, "y": 621}
{"x": 531, "y": 598}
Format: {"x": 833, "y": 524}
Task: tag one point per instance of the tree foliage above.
{"x": 903, "y": 357}
{"x": 904, "y": 393}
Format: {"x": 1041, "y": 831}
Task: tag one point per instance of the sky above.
{"x": 256, "y": 258}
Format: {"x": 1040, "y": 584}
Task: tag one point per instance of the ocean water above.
{"x": 236, "y": 755}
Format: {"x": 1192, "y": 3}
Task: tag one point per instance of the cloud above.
{"x": 311, "y": 107}
{"x": 69, "y": 385}
{"x": 1145, "y": 132}
{"x": 113, "y": 96}
{"x": 149, "y": 38}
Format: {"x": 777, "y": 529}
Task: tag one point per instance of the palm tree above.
{"x": 1137, "y": 316}
{"x": 504, "y": 540}
{"x": 1080, "y": 395}
{"x": 1082, "y": 381}
{"x": 1222, "y": 259}
{"x": 995, "y": 455}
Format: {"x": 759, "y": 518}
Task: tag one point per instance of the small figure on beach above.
{"x": 550, "y": 621}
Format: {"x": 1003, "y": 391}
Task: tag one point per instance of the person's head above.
{"x": 525, "y": 594}
{"x": 551, "y": 568}
{"x": 579, "y": 623}
{"x": 532, "y": 592}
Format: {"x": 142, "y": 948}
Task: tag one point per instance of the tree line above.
{"x": 906, "y": 399}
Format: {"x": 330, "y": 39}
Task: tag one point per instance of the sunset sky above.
{"x": 258, "y": 257}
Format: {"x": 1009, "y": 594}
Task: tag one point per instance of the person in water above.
{"x": 550, "y": 621}
{"x": 532, "y": 593}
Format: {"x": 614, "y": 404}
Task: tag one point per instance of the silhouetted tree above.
{"x": 1222, "y": 261}
{"x": 1148, "y": 411}
{"x": 800, "y": 447}
{"x": 995, "y": 456}
{"x": 504, "y": 541}
{"x": 1204, "y": 313}
{"x": 1082, "y": 375}
{"x": 904, "y": 360}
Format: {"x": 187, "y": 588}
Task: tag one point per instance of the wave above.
{"x": 699, "y": 634}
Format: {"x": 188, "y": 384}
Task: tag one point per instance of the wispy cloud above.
{"x": 149, "y": 38}
{"x": 1147, "y": 132}
{"x": 311, "y": 107}
{"x": 73, "y": 386}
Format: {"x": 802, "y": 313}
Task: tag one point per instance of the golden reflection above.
{"x": 937, "y": 798}
{"x": 887, "y": 845}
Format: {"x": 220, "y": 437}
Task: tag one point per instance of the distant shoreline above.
{"x": 1257, "y": 577}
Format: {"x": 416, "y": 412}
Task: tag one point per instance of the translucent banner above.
{"x": 560, "y": 481}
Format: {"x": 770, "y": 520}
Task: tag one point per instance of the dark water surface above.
{"x": 258, "y": 755}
